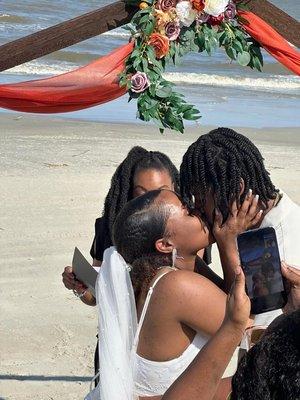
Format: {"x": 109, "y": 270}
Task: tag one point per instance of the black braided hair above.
{"x": 121, "y": 188}
{"x": 218, "y": 161}
{"x": 140, "y": 223}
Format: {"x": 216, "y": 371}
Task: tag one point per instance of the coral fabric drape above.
{"x": 97, "y": 82}
{"x": 93, "y": 84}
{"x": 274, "y": 43}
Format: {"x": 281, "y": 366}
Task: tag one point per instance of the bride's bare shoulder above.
{"x": 184, "y": 282}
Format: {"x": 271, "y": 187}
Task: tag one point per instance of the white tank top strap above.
{"x": 143, "y": 314}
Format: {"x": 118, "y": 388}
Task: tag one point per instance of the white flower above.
{"x": 185, "y": 13}
{"x": 215, "y": 7}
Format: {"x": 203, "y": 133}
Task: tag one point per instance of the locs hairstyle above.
{"x": 120, "y": 191}
{"x": 218, "y": 161}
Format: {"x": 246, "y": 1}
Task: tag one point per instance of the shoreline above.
{"x": 55, "y": 175}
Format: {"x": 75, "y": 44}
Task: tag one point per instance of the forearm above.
{"x": 230, "y": 260}
{"x": 201, "y": 379}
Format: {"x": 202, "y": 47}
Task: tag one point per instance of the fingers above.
{"x": 68, "y": 270}
{"x": 291, "y": 274}
{"x": 218, "y": 220}
{"x": 68, "y": 278}
{"x": 79, "y": 287}
{"x": 234, "y": 208}
{"x": 239, "y": 283}
{"x": 256, "y": 219}
{"x": 246, "y": 203}
{"x": 254, "y": 205}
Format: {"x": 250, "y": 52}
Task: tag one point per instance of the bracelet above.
{"x": 80, "y": 295}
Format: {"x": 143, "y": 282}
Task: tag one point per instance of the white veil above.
{"x": 117, "y": 328}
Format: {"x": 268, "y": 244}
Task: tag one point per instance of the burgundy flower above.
{"x": 216, "y": 20}
{"x": 230, "y": 11}
{"x": 165, "y": 5}
{"x": 139, "y": 82}
{"x": 172, "y": 30}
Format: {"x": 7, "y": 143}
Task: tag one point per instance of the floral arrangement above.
{"x": 165, "y": 30}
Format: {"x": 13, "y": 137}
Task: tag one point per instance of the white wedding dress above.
{"x": 124, "y": 375}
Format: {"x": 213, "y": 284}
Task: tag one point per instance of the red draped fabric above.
{"x": 93, "y": 84}
{"x": 97, "y": 82}
{"x": 274, "y": 43}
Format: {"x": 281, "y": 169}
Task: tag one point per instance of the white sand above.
{"x": 54, "y": 177}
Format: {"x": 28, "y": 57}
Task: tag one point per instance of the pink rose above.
{"x": 165, "y": 5}
{"x": 172, "y": 30}
{"x": 139, "y": 82}
{"x": 230, "y": 11}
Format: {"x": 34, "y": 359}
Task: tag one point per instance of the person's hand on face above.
{"x": 239, "y": 219}
{"x": 292, "y": 276}
{"x": 70, "y": 281}
{"x": 238, "y": 303}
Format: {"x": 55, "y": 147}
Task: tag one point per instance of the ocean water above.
{"x": 225, "y": 93}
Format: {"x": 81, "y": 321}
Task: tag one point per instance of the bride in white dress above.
{"x": 149, "y": 277}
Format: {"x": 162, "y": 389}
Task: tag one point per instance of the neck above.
{"x": 187, "y": 263}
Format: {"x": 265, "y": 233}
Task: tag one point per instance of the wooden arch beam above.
{"x": 65, "y": 34}
{"x": 110, "y": 17}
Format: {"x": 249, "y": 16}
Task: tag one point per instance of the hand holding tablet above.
{"x": 84, "y": 271}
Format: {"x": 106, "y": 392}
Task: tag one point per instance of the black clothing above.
{"x": 100, "y": 242}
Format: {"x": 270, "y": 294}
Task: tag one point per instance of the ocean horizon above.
{"x": 224, "y": 92}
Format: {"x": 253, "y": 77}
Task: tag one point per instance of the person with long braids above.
{"x": 220, "y": 168}
{"x": 157, "y": 238}
{"x": 140, "y": 172}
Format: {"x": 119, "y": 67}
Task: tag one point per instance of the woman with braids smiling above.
{"x": 220, "y": 168}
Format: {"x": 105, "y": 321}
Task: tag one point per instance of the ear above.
{"x": 163, "y": 245}
{"x": 242, "y": 186}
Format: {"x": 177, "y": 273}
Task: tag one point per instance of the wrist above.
{"x": 234, "y": 329}
{"x": 227, "y": 243}
{"x": 80, "y": 294}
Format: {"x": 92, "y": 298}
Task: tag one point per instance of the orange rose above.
{"x": 143, "y": 5}
{"x": 160, "y": 44}
{"x": 198, "y": 4}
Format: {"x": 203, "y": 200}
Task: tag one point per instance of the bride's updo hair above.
{"x": 138, "y": 226}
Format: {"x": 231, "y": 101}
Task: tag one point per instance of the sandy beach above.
{"x": 54, "y": 177}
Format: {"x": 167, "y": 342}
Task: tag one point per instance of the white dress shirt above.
{"x": 285, "y": 219}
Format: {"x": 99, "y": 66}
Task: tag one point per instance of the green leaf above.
{"x": 237, "y": 45}
{"x": 136, "y": 63}
{"x": 231, "y": 52}
{"x": 256, "y": 63}
{"x": 163, "y": 92}
{"x": 243, "y": 58}
{"x": 145, "y": 64}
{"x": 192, "y": 115}
{"x": 149, "y": 28}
